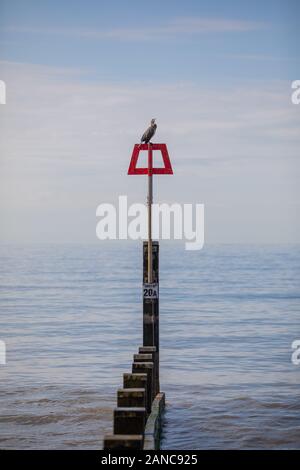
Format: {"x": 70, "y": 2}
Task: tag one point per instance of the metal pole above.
{"x": 150, "y": 200}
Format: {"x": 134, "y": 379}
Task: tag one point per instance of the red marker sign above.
{"x": 150, "y": 170}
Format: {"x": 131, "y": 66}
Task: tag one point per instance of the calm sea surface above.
{"x": 71, "y": 317}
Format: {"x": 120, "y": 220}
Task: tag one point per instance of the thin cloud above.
{"x": 65, "y": 147}
{"x": 172, "y": 28}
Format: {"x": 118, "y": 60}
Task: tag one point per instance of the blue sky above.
{"x": 85, "y": 77}
{"x": 259, "y": 40}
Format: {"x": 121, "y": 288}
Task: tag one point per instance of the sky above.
{"x": 83, "y": 80}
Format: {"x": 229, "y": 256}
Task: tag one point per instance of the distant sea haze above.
{"x": 71, "y": 319}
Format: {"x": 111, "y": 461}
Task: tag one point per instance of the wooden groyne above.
{"x": 140, "y": 403}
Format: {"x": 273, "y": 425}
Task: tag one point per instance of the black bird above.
{"x": 149, "y": 133}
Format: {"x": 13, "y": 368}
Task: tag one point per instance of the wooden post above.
{"x": 151, "y": 350}
{"x": 147, "y": 349}
{"x": 135, "y": 397}
{"x": 151, "y": 306}
{"x": 142, "y": 358}
{"x": 123, "y": 441}
{"x": 146, "y": 368}
{"x": 129, "y": 420}
{"x": 145, "y": 357}
{"x": 139, "y": 380}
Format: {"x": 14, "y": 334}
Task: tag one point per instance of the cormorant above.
{"x": 149, "y": 133}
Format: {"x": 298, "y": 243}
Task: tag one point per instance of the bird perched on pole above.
{"x": 149, "y": 133}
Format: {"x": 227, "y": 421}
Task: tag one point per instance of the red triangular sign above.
{"x": 166, "y": 170}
